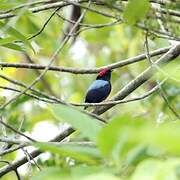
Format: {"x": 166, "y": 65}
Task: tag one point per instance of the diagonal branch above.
{"x": 52, "y": 59}
{"x": 141, "y": 79}
{"x": 14, "y": 165}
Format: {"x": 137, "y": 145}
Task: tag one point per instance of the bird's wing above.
{"x": 98, "y": 91}
{"x": 98, "y": 84}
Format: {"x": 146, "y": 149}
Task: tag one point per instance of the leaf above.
{"x": 102, "y": 176}
{"x": 51, "y": 173}
{"x": 110, "y": 138}
{"x": 136, "y": 10}
{"x": 13, "y": 32}
{"x": 171, "y": 71}
{"x": 75, "y": 173}
{"x": 136, "y": 154}
{"x": 79, "y": 153}
{"x": 6, "y": 40}
{"x": 88, "y": 126}
{"x": 13, "y": 46}
{"x": 2, "y": 100}
{"x": 157, "y": 169}
{"x": 166, "y": 137}
{"x": 7, "y": 5}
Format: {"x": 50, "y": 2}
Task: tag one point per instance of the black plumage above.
{"x": 100, "y": 88}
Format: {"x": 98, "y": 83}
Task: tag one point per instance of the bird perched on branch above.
{"x": 100, "y": 88}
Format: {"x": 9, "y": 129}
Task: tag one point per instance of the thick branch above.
{"x": 142, "y": 78}
{"x": 14, "y": 165}
{"x": 171, "y": 54}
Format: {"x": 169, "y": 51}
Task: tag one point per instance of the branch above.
{"x": 15, "y": 130}
{"x": 56, "y": 5}
{"x": 15, "y": 170}
{"x": 26, "y": 5}
{"x": 14, "y": 165}
{"x": 91, "y": 25}
{"x": 171, "y": 54}
{"x": 147, "y": 94}
{"x": 52, "y": 99}
{"x": 44, "y": 25}
{"x": 37, "y": 9}
{"x": 56, "y": 100}
{"x": 43, "y": 79}
{"x": 142, "y": 78}
{"x": 21, "y": 84}
{"x": 72, "y": 70}
{"x": 52, "y": 59}
{"x": 10, "y": 150}
{"x": 28, "y": 94}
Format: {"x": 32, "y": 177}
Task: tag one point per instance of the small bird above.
{"x": 100, "y": 88}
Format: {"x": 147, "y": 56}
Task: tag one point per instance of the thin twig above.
{"x": 140, "y": 79}
{"x": 14, "y": 165}
{"x": 21, "y": 84}
{"x": 54, "y": 101}
{"x": 172, "y": 53}
{"x": 163, "y": 95}
{"x": 29, "y": 158}
{"x": 158, "y": 84}
{"x": 10, "y": 150}
{"x": 53, "y": 58}
{"x": 27, "y": 94}
{"x": 43, "y": 79}
{"x": 44, "y": 25}
{"x": 91, "y": 25}
{"x": 25, "y": 5}
{"x": 16, "y": 131}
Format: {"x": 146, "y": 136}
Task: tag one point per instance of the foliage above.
{"x": 140, "y": 139}
{"x": 128, "y": 146}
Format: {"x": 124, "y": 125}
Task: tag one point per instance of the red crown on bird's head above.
{"x": 103, "y": 72}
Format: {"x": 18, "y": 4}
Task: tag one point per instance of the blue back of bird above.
{"x": 98, "y": 91}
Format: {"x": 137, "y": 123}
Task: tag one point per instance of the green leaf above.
{"x": 80, "y": 153}
{"x": 75, "y": 173}
{"x": 13, "y": 32}
{"x": 110, "y": 138}
{"x": 162, "y": 136}
{"x": 102, "y": 176}
{"x": 84, "y": 173}
{"x": 88, "y": 126}
{"x": 51, "y": 173}
{"x": 13, "y": 46}
{"x": 2, "y": 100}
{"x": 135, "y": 155}
{"x": 6, "y": 40}
{"x": 157, "y": 169}
{"x": 136, "y": 10}
{"x": 171, "y": 71}
{"x": 122, "y": 134}
{"x": 7, "y": 5}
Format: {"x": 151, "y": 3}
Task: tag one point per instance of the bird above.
{"x": 100, "y": 88}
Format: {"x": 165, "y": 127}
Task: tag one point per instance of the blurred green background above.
{"x": 143, "y": 136}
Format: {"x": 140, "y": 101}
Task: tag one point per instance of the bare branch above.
{"x": 15, "y": 130}
{"x": 118, "y": 64}
{"x": 142, "y": 78}
{"x": 14, "y": 165}
{"x": 53, "y": 58}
